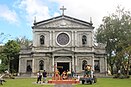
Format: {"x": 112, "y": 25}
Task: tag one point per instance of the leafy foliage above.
{"x": 115, "y": 32}
{"x": 3, "y": 65}
{"x": 9, "y": 53}
{"x": 11, "y": 50}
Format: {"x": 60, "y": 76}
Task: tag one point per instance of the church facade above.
{"x": 65, "y": 43}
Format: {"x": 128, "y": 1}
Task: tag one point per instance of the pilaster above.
{"x": 53, "y": 63}
{"x": 75, "y": 38}
{"x": 73, "y": 63}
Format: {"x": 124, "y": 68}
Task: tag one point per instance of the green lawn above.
{"x": 23, "y": 83}
{"x": 109, "y": 82}
{"x": 102, "y": 82}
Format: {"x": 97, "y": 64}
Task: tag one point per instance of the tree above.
{"x": 3, "y": 64}
{"x": 11, "y": 50}
{"x": 124, "y": 60}
{"x": 115, "y": 32}
{"x": 9, "y": 53}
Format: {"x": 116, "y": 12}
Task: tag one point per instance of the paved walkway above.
{"x": 63, "y": 85}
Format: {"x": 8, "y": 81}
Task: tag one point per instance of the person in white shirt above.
{"x": 39, "y": 76}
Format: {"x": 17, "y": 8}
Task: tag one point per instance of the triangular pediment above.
{"x": 63, "y": 51}
{"x": 62, "y": 22}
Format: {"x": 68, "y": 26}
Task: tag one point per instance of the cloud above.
{"x": 84, "y": 9}
{"x": 81, "y": 9}
{"x": 97, "y": 9}
{"x": 8, "y": 15}
{"x": 34, "y": 8}
{"x": 56, "y": 14}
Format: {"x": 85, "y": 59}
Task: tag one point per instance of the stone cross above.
{"x": 62, "y": 10}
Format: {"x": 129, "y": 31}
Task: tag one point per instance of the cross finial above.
{"x": 62, "y": 10}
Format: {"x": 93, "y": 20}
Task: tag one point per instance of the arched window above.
{"x": 84, "y": 40}
{"x": 42, "y": 39}
{"x": 84, "y": 63}
{"x": 41, "y": 65}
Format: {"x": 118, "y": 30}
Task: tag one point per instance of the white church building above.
{"x": 66, "y": 42}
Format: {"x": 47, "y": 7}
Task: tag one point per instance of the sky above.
{"x": 17, "y": 16}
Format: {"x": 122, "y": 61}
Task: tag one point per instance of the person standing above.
{"x": 119, "y": 73}
{"x": 44, "y": 76}
{"x": 72, "y": 73}
{"x": 78, "y": 77}
{"x": 92, "y": 73}
{"x": 69, "y": 74}
{"x": 39, "y": 76}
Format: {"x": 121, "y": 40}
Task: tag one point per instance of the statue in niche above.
{"x": 84, "y": 40}
{"x": 29, "y": 69}
{"x": 42, "y": 41}
{"x": 41, "y": 65}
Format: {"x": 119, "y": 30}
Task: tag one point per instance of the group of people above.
{"x": 65, "y": 75}
{"x": 40, "y": 75}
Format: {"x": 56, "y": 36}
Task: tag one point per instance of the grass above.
{"x": 109, "y": 82}
{"x": 23, "y": 83}
{"x": 101, "y": 82}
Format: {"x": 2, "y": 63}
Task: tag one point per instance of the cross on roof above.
{"x": 62, "y": 10}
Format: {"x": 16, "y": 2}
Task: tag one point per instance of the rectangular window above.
{"x": 96, "y": 66}
{"x": 29, "y": 66}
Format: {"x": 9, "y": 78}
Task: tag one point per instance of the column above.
{"x": 53, "y": 63}
{"x": 70, "y": 66}
{"x": 72, "y": 38}
{"x": 36, "y": 39}
{"x": 53, "y": 38}
{"x": 34, "y": 42}
{"x": 102, "y": 64}
{"x": 92, "y": 62}
{"x": 75, "y": 60}
{"x": 33, "y": 67}
{"x": 92, "y": 41}
{"x": 75, "y": 38}
{"x": 73, "y": 63}
{"x": 50, "y": 40}
{"x": 20, "y": 65}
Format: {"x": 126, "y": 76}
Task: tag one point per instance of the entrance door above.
{"x": 62, "y": 66}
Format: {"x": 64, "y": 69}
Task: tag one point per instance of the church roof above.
{"x": 64, "y": 17}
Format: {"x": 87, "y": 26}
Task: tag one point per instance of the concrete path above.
{"x": 63, "y": 85}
